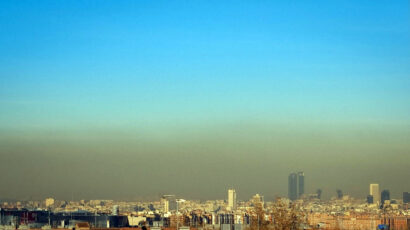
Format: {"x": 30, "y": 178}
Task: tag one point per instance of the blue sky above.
{"x": 115, "y": 63}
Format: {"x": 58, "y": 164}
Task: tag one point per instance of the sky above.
{"x": 135, "y": 99}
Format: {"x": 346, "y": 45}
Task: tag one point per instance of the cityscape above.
{"x": 204, "y": 115}
{"x": 173, "y": 212}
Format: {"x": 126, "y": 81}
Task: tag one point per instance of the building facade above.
{"x": 375, "y": 192}
{"x": 406, "y": 197}
{"x": 293, "y": 186}
{"x": 385, "y": 195}
{"x": 296, "y": 185}
{"x": 301, "y": 184}
{"x": 232, "y": 199}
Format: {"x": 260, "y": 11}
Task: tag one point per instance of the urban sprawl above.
{"x": 298, "y": 211}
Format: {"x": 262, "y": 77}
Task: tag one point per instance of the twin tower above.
{"x": 296, "y": 185}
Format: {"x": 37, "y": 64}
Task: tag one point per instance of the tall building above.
{"x": 296, "y": 185}
{"x": 375, "y": 192}
{"x": 406, "y": 197}
{"x": 168, "y": 203}
{"x": 165, "y": 205}
{"x": 231, "y": 199}
{"x": 301, "y": 184}
{"x": 385, "y": 195}
{"x": 293, "y": 186}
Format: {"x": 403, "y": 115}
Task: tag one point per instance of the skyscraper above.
{"x": 385, "y": 195}
{"x": 301, "y": 184}
{"x": 296, "y": 185}
{"x": 293, "y": 186}
{"x": 231, "y": 199}
{"x": 406, "y": 197}
{"x": 375, "y": 192}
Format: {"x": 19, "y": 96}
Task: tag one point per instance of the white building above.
{"x": 165, "y": 205}
{"x": 115, "y": 210}
{"x": 375, "y": 192}
{"x": 231, "y": 200}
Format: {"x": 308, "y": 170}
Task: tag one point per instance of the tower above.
{"x": 385, "y": 195}
{"x": 296, "y": 185}
{"x": 293, "y": 186}
{"x": 375, "y": 192}
{"x": 165, "y": 204}
{"x": 168, "y": 203}
{"x": 231, "y": 199}
{"x": 301, "y": 184}
{"x": 406, "y": 197}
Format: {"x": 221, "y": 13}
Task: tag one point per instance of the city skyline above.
{"x": 210, "y": 214}
{"x": 136, "y": 99}
{"x": 295, "y": 192}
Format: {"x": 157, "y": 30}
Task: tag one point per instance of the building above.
{"x": 375, "y": 192}
{"x": 66, "y": 220}
{"x": 168, "y": 203}
{"x": 231, "y": 200}
{"x": 82, "y": 226}
{"x": 293, "y": 186}
{"x": 49, "y": 202}
{"x": 115, "y": 210}
{"x": 339, "y": 193}
{"x": 301, "y": 184}
{"x": 406, "y": 197}
{"x": 296, "y": 185}
{"x": 385, "y": 195}
{"x": 369, "y": 199}
{"x": 257, "y": 199}
{"x": 165, "y": 205}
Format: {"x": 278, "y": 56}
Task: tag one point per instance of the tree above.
{"x": 257, "y": 218}
{"x": 286, "y": 216}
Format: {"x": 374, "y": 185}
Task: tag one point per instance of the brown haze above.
{"x": 201, "y": 162}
